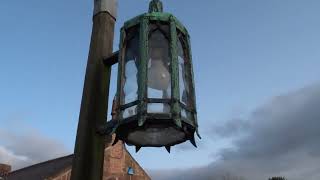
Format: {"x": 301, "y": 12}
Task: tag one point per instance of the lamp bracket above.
{"x": 112, "y": 59}
{"x": 109, "y": 128}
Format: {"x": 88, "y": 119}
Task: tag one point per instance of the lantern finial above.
{"x": 155, "y": 6}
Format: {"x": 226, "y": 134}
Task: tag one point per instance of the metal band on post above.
{"x": 109, "y": 6}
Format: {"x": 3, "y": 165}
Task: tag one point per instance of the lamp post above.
{"x": 89, "y": 147}
{"x": 155, "y": 100}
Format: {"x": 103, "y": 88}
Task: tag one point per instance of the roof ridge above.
{"x": 41, "y": 163}
{"x": 16, "y": 172}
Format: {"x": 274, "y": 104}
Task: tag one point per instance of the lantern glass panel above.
{"x": 185, "y": 114}
{"x": 159, "y": 77}
{"x": 130, "y": 87}
{"x": 183, "y": 81}
{"x": 130, "y": 72}
{"x": 131, "y": 111}
{"x": 158, "y": 108}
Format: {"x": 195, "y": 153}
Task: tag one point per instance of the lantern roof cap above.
{"x": 156, "y": 13}
{"x": 156, "y": 16}
{"x": 155, "y": 6}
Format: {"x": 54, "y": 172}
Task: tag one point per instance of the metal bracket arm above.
{"x": 109, "y": 128}
{"x": 111, "y": 60}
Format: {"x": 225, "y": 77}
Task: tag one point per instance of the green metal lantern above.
{"x": 155, "y": 98}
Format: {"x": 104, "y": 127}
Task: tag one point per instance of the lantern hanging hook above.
{"x": 155, "y": 6}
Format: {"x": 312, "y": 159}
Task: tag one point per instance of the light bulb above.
{"x": 158, "y": 73}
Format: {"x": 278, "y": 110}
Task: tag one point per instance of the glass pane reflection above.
{"x": 131, "y": 111}
{"x": 158, "y": 108}
{"x": 130, "y": 88}
{"x": 183, "y": 82}
{"x": 159, "y": 77}
{"x": 186, "y": 114}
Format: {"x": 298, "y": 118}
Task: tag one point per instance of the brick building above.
{"x": 119, "y": 165}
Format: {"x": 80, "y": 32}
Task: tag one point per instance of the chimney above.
{"x": 4, "y": 170}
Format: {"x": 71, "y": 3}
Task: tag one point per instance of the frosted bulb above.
{"x": 158, "y": 75}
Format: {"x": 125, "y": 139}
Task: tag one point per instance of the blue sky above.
{"x": 244, "y": 52}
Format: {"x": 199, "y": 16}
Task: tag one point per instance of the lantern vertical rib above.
{"x": 194, "y": 104}
{"x": 142, "y": 96}
{"x": 119, "y": 95}
{"x": 174, "y": 74}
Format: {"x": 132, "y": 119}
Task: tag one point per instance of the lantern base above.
{"x": 154, "y": 136}
{"x": 154, "y": 133}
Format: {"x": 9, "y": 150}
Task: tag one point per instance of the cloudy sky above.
{"x": 257, "y": 81}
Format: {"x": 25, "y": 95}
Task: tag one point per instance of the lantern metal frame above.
{"x": 176, "y": 32}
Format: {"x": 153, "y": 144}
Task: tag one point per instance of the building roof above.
{"x": 52, "y": 167}
{"x": 42, "y": 170}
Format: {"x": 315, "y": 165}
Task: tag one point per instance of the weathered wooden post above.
{"x": 89, "y": 148}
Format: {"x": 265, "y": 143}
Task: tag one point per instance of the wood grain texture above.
{"x": 89, "y": 148}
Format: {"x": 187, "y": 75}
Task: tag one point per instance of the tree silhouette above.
{"x": 277, "y": 178}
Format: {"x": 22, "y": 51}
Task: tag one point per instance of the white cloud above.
{"x": 28, "y": 147}
{"x": 8, "y": 157}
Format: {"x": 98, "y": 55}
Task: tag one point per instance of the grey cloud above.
{"x": 281, "y": 139}
{"x": 288, "y": 123}
{"x": 28, "y": 147}
{"x": 230, "y": 129}
{"x": 8, "y": 157}
{"x": 200, "y": 173}
{"x": 187, "y": 146}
